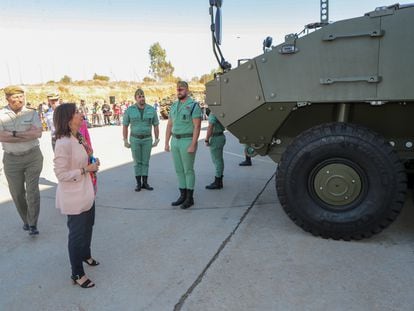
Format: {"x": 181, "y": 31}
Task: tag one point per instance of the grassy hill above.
{"x": 91, "y": 91}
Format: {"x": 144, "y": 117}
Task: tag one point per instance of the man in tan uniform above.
{"x": 20, "y": 130}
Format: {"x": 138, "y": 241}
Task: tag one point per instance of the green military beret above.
{"x": 13, "y": 89}
{"x": 182, "y": 84}
{"x": 139, "y": 92}
{"x": 53, "y": 96}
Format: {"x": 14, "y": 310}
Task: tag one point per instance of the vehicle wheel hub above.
{"x": 337, "y": 184}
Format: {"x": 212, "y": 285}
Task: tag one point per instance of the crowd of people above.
{"x": 100, "y": 113}
{"x": 76, "y": 166}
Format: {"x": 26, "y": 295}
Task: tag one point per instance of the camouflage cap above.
{"x": 182, "y": 84}
{"x": 53, "y": 96}
{"x": 139, "y": 92}
{"x": 13, "y": 89}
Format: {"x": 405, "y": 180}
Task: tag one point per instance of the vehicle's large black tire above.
{"x": 381, "y": 172}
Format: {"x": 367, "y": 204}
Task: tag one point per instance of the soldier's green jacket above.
{"x": 182, "y": 115}
{"x": 141, "y": 122}
{"x": 218, "y": 127}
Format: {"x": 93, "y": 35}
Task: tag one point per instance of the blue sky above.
{"x": 47, "y": 39}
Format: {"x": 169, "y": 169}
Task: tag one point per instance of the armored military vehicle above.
{"x": 334, "y": 107}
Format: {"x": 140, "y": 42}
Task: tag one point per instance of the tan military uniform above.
{"x": 23, "y": 163}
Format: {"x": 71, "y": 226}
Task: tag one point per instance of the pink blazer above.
{"x": 74, "y": 194}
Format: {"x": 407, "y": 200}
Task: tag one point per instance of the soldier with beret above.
{"x": 20, "y": 130}
{"x": 141, "y": 118}
{"x": 53, "y": 101}
{"x": 184, "y": 124}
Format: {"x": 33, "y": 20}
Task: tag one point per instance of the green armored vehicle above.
{"x": 334, "y": 107}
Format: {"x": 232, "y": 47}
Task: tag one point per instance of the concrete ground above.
{"x": 234, "y": 250}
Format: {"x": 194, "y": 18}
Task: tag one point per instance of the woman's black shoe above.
{"x": 93, "y": 263}
{"x": 87, "y": 284}
{"x": 26, "y": 227}
{"x": 33, "y": 230}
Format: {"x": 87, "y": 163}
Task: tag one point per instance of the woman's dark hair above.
{"x": 61, "y": 118}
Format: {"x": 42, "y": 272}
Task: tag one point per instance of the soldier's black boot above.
{"x": 145, "y": 183}
{"x": 220, "y": 180}
{"x": 189, "y": 200}
{"x": 139, "y": 185}
{"x": 247, "y": 162}
{"x": 181, "y": 199}
{"x": 217, "y": 184}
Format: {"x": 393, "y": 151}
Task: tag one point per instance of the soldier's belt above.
{"x": 217, "y": 134}
{"x": 141, "y": 136}
{"x": 178, "y": 136}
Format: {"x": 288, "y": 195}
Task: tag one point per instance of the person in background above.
{"x": 75, "y": 168}
{"x": 156, "y": 107}
{"x": 20, "y": 130}
{"x": 41, "y": 115}
{"x": 96, "y": 114}
{"x": 117, "y": 114}
{"x": 204, "y": 108}
{"x": 84, "y": 110}
{"x": 106, "y": 111}
{"x": 123, "y": 109}
{"x": 53, "y": 101}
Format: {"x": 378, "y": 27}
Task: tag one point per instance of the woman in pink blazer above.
{"x": 75, "y": 170}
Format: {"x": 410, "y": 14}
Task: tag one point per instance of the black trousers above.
{"x": 79, "y": 240}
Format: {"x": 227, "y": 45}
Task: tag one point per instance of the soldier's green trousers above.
{"x": 216, "y": 150}
{"x": 183, "y": 162}
{"x": 22, "y": 174}
{"x": 141, "y": 153}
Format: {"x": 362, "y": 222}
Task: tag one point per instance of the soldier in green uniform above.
{"x": 184, "y": 124}
{"x": 216, "y": 140}
{"x": 20, "y": 130}
{"x": 141, "y": 117}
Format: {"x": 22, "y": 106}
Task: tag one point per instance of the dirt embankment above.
{"x": 92, "y": 91}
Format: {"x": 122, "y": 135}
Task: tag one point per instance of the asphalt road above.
{"x": 234, "y": 250}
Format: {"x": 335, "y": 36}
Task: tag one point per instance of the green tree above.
{"x": 160, "y": 69}
{"x": 66, "y": 79}
{"x": 100, "y": 77}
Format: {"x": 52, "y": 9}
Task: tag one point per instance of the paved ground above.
{"x": 235, "y": 250}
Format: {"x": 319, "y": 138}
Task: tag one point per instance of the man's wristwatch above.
{"x": 14, "y": 133}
